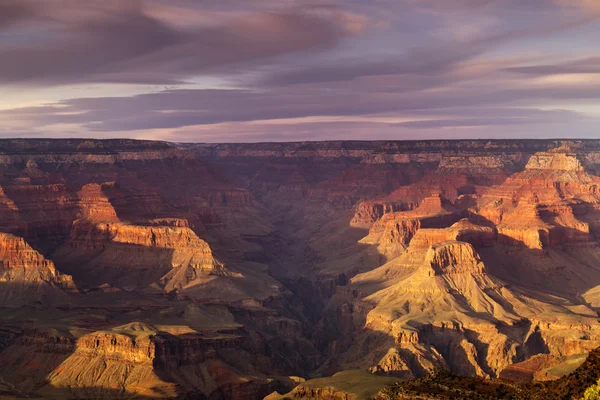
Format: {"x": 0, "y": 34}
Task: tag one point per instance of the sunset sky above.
{"x": 281, "y": 70}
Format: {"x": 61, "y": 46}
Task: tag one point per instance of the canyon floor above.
{"x": 316, "y": 270}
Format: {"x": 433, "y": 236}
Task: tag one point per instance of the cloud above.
{"x": 592, "y": 6}
{"x": 172, "y": 109}
{"x": 369, "y": 129}
{"x": 531, "y": 5}
{"x": 120, "y": 42}
{"x": 590, "y": 65}
{"x": 432, "y": 60}
{"x": 446, "y": 50}
{"x": 523, "y": 117}
{"x": 13, "y": 12}
{"x": 292, "y": 68}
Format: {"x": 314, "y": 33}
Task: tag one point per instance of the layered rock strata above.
{"x": 27, "y": 277}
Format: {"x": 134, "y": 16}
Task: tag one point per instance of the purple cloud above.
{"x": 332, "y": 65}
{"x": 121, "y": 42}
{"x": 13, "y": 12}
{"x": 590, "y": 65}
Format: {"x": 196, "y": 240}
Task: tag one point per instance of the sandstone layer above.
{"x": 228, "y": 270}
{"x": 26, "y": 276}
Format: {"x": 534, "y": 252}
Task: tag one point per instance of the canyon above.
{"x": 144, "y": 269}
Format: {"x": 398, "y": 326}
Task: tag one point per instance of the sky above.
{"x": 296, "y": 70}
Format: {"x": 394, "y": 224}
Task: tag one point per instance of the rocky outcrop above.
{"x": 410, "y": 197}
{"x": 463, "y": 230}
{"x": 524, "y": 227}
{"x": 394, "y": 231}
{"x": 549, "y": 177}
{"x": 444, "y": 384}
{"x": 368, "y": 212}
{"x": 449, "y": 301}
{"x": 560, "y": 159}
{"x": 135, "y": 256}
{"x": 453, "y": 257}
{"x": 455, "y": 176}
{"x": 26, "y": 276}
{"x": 536, "y": 207}
{"x": 136, "y": 359}
{"x": 94, "y": 205}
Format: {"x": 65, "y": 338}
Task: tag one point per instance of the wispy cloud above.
{"x": 299, "y": 69}
{"x": 121, "y": 42}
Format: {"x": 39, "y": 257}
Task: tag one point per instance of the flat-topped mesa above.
{"x": 118, "y": 346}
{"x": 559, "y": 159}
{"x": 453, "y": 256}
{"x": 553, "y": 176}
{"x": 394, "y": 231}
{"x": 94, "y": 235}
{"x": 133, "y": 255}
{"x": 175, "y": 222}
{"x": 135, "y": 357}
{"x": 26, "y": 276}
{"x": 538, "y": 227}
{"x": 463, "y": 230}
{"x": 551, "y": 180}
{"x": 523, "y": 227}
{"x": 138, "y": 360}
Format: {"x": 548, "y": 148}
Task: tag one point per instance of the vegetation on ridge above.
{"x": 583, "y": 383}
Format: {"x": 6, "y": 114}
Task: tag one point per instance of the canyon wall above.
{"x": 229, "y": 270}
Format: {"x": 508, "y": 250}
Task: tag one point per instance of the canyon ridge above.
{"x": 313, "y": 270}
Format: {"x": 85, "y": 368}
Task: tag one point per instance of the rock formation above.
{"x": 135, "y": 359}
{"x": 26, "y": 276}
{"x": 228, "y": 270}
{"x": 135, "y": 256}
{"x": 394, "y": 231}
{"x": 451, "y": 303}
{"x": 454, "y": 177}
{"x": 464, "y": 231}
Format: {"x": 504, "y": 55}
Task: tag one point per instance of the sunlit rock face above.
{"x": 464, "y": 230}
{"x": 26, "y": 276}
{"x": 134, "y": 255}
{"x": 231, "y": 271}
{"x": 455, "y": 176}
{"x": 394, "y": 231}
{"x": 560, "y": 159}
